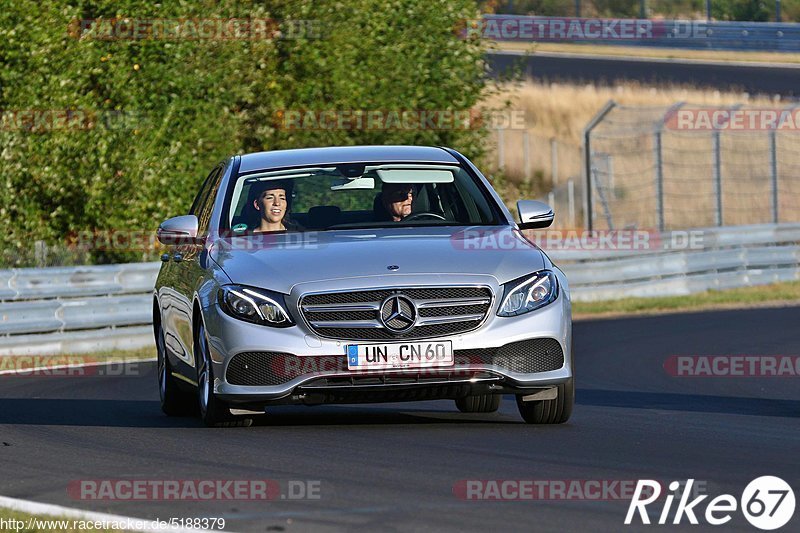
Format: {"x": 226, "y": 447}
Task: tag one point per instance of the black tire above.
{"x": 555, "y": 411}
{"x": 174, "y": 401}
{"x": 479, "y": 403}
{"x": 213, "y": 411}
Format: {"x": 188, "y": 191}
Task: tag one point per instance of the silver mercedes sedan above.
{"x": 358, "y": 274}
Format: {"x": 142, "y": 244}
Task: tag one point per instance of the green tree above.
{"x": 744, "y": 10}
{"x": 617, "y": 8}
{"x": 542, "y": 8}
{"x": 178, "y": 106}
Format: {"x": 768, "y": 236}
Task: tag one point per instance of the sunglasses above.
{"x": 400, "y": 194}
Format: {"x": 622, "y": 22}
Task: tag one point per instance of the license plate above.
{"x": 400, "y": 355}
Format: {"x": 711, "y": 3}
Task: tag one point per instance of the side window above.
{"x": 198, "y": 200}
{"x": 203, "y": 204}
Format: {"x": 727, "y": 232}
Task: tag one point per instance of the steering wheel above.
{"x": 424, "y": 214}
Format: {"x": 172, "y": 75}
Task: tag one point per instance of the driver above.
{"x": 396, "y": 199}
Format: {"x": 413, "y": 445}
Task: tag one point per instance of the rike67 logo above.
{"x": 767, "y": 503}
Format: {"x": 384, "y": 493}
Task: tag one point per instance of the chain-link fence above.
{"x": 682, "y": 166}
{"x": 535, "y": 163}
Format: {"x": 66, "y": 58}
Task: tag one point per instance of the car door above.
{"x": 187, "y": 268}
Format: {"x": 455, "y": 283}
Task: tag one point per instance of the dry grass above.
{"x": 559, "y": 112}
{"x": 660, "y": 53}
{"x": 775, "y": 295}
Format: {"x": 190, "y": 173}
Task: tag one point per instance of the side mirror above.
{"x": 534, "y": 215}
{"x": 178, "y": 230}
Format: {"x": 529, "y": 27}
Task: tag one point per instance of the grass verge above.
{"x": 138, "y": 354}
{"x": 25, "y": 365}
{"x": 778, "y": 294}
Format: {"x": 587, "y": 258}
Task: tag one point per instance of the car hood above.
{"x": 280, "y": 261}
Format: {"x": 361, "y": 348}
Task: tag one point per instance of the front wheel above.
{"x": 174, "y": 401}
{"x": 479, "y": 403}
{"x": 555, "y": 411}
{"x": 213, "y": 411}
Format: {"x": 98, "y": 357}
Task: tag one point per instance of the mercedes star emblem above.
{"x": 398, "y": 313}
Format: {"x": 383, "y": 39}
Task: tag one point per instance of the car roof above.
{"x": 344, "y": 154}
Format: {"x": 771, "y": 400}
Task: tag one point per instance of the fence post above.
{"x": 773, "y": 160}
{"x": 501, "y": 149}
{"x": 571, "y": 201}
{"x": 604, "y": 185}
{"x": 659, "y": 180}
{"x": 659, "y": 163}
{"x": 554, "y": 160}
{"x": 717, "y": 176}
{"x": 587, "y": 158}
{"x": 40, "y": 253}
{"x": 526, "y": 155}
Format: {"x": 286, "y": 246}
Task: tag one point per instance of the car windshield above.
{"x": 351, "y": 196}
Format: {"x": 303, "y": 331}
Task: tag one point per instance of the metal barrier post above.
{"x": 773, "y": 160}
{"x": 717, "y": 177}
{"x": 554, "y": 160}
{"x": 658, "y": 154}
{"x": 501, "y": 149}
{"x": 587, "y": 158}
{"x": 659, "y": 180}
{"x": 571, "y": 201}
{"x": 526, "y": 154}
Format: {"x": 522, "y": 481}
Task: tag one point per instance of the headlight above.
{"x": 254, "y": 305}
{"x": 531, "y": 292}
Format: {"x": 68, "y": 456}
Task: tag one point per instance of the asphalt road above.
{"x": 753, "y": 78}
{"x": 393, "y": 467}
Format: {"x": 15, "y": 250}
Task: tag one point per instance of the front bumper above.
{"x": 314, "y": 369}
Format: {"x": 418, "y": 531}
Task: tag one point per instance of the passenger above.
{"x": 272, "y": 202}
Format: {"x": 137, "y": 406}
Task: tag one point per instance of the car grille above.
{"x": 276, "y": 368}
{"x": 523, "y": 357}
{"x": 359, "y": 315}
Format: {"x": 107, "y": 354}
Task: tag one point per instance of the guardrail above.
{"x": 76, "y": 309}
{"x": 84, "y": 309}
{"x": 666, "y": 33}
{"x": 62, "y": 282}
{"x": 727, "y": 257}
